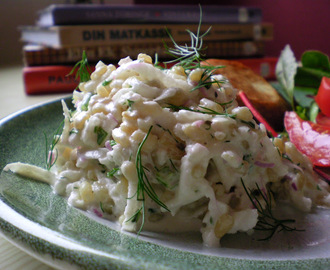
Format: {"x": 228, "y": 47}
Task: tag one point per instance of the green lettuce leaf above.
{"x": 286, "y": 69}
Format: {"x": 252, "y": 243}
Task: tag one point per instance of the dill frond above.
{"x": 144, "y": 186}
{"x": 191, "y": 56}
{"x": 266, "y": 220}
{"x": 206, "y": 110}
{"x": 51, "y": 152}
{"x": 81, "y": 69}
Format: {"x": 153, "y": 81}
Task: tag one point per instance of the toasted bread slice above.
{"x": 261, "y": 94}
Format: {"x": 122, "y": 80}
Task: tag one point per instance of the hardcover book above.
{"x": 74, "y": 14}
{"x": 86, "y": 35}
{"x": 48, "y": 79}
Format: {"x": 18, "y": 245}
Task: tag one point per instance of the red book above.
{"x": 55, "y": 79}
{"x": 48, "y": 79}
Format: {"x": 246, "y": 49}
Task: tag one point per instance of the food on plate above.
{"x": 310, "y": 138}
{"x": 323, "y": 96}
{"x": 171, "y": 150}
{"x": 262, "y": 95}
{"x": 323, "y": 120}
{"x": 306, "y": 86}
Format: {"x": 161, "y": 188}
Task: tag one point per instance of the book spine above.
{"x": 40, "y": 55}
{"x": 88, "y": 35}
{"x": 234, "y": 49}
{"x": 105, "y": 14}
{"x": 48, "y": 79}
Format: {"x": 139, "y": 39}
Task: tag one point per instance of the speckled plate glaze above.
{"x": 44, "y": 225}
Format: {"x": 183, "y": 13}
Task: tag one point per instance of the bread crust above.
{"x": 261, "y": 94}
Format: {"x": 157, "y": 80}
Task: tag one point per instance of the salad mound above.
{"x": 148, "y": 149}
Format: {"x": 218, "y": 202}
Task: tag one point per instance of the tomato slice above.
{"x": 323, "y": 96}
{"x": 323, "y": 120}
{"x": 311, "y": 139}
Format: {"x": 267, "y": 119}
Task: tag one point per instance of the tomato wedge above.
{"x": 323, "y": 96}
{"x": 323, "y": 120}
{"x": 311, "y": 139}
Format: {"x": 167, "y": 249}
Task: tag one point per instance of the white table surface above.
{"x": 13, "y": 99}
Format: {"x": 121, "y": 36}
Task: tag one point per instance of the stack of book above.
{"x": 111, "y": 32}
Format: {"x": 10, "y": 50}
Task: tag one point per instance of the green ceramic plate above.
{"x": 41, "y": 223}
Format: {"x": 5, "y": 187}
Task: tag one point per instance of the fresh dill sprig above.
{"x": 169, "y": 132}
{"x": 113, "y": 172}
{"x": 81, "y": 69}
{"x": 171, "y": 161}
{"x": 205, "y": 80}
{"x": 106, "y": 82}
{"x": 101, "y": 207}
{"x": 130, "y": 103}
{"x": 144, "y": 186}
{"x": 190, "y": 56}
{"x": 51, "y": 156}
{"x": 249, "y": 123}
{"x": 136, "y": 216}
{"x": 157, "y": 63}
{"x": 101, "y": 134}
{"x": 207, "y": 110}
{"x": 266, "y": 220}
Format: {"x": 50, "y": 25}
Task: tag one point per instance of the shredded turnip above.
{"x": 292, "y": 165}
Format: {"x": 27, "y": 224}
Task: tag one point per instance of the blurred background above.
{"x": 304, "y": 24}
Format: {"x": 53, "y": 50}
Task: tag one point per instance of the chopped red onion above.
{"x": 288, "y": 177}
{"x": 264, "y": 164}
{"x": 199, "y": 123}
{"x": 203, "y": 91}
{"x": 111, "y": 117}
{"x": 97, "y": 212}
{"x": 108, "y": 145}
{"x": 294, "y": 186}
{"x": 51, "y": 157}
